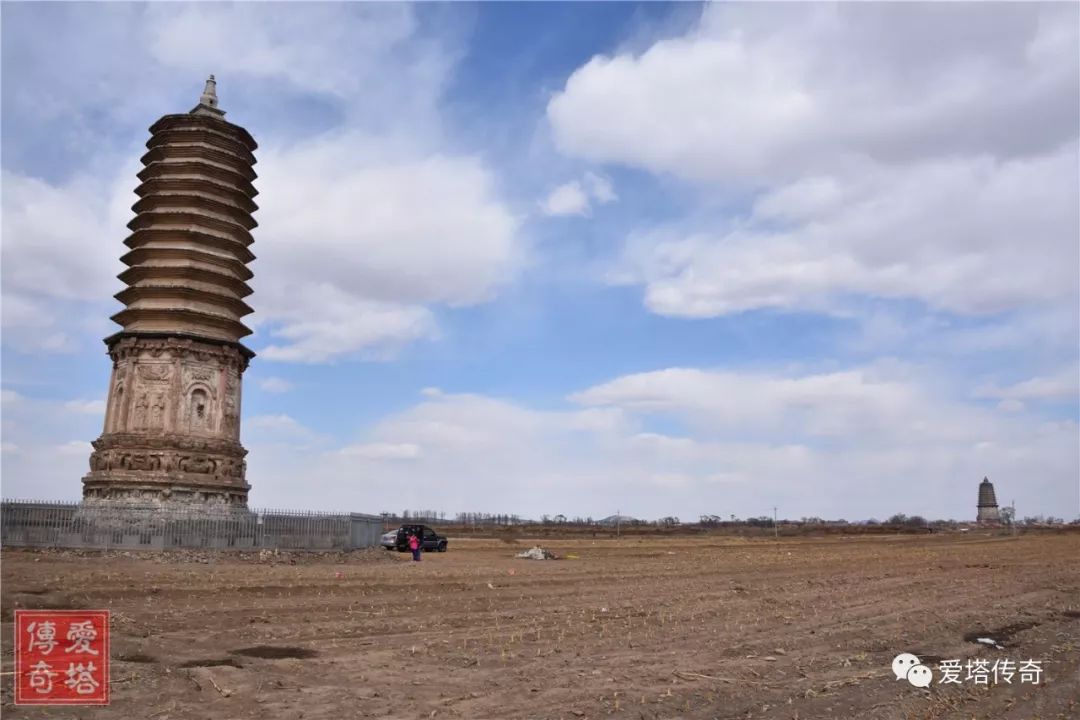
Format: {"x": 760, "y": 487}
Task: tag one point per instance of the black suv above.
{"x": 399, "y": 539}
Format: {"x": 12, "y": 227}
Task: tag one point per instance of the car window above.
{"x": 429, "y": 533}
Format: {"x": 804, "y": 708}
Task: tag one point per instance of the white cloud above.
{"x": 62, "y": 247}
{"x": 600, "y": 188}
{"x": 370, "y": 59}
{"x": 577, "y": 196}
{"x": 769, "y": 92}
{"x": 10, "y": 397}
{"x": 54, "y": 235}
{"x": 77, "y": 448}
{"x": 40, "y": 459}
{"x": 196, "y": 37}
{"x": 1064, "y": 385}
{"x": 740, "y": 404}
{"x": 269, "y": 434}
{"x": 86, "y": 407}
{"x": 1011, "y": 406}
{"x": 861, "y": 442}
{"x": 383, "y": 451}
{"x": 275, "y": 385}
{"x": 277, "y": 423}
{"x": 567, "y": 199}
{"x": 387, "y": 232}
{"x": 940, "y": 232}
{"x": 880, "y": 158}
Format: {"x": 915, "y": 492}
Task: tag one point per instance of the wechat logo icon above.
{"x": 906, "y": 666}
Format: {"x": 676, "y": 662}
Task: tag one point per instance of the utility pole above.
{"x": 776, "y": 530}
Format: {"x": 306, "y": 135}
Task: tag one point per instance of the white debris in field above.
{"x": 537, "y": 553}
{"x": 990, "y": 642}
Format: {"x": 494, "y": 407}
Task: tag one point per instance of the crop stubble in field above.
{"x": 638, "y": 628}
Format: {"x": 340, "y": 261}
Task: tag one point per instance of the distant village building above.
{"x": 172, "y": 422}
{"x": 988, "y": 513}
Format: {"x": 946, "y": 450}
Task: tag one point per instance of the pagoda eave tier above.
{"x": 202, "y": 135}
{"x": 224, "y": 163}
{"x": 182, "y": 219}
{"x": 203, "y": 186}
{"x": 189, "y": 168}
{"x": 181, "y": 321}
{"x": 199, "y": 240}
{"x": 160, "y": 293}
{"x": 186, "y": 120}
{"x": 178, "y": 272}
{"x": 196, "y": 203}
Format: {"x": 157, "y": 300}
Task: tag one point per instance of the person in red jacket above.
{"x": 414, "y": 545}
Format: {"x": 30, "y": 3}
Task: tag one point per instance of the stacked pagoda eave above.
{"x": 191, "y": 231}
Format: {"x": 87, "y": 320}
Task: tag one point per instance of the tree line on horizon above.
{"x": 479, "y": 519}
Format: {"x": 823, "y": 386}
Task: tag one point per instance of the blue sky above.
{"x": 671, "y": 259}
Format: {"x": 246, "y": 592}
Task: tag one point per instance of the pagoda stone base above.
{"x": 168, "y": 470}
{"x": 172, "y": 425}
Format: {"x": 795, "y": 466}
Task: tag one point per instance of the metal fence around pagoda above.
{"x": 28, "y": 523}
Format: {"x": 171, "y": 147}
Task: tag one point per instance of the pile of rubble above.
{"x": 537, "y": 553}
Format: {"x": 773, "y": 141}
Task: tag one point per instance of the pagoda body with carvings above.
{"x": 172, "y": 423}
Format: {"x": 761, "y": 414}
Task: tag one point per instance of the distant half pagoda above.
{"x": 172, "y": 422}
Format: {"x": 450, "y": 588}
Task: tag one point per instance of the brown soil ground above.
{"x": 631, "y": 628}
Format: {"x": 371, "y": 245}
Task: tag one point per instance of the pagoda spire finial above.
{"x": 209, "y": 93}
{"x": 208, "y": 101}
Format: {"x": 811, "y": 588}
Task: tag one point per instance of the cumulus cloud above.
{"x": 867, "y": 441}
{"x": 386, "y": 232}
{"x": 40, "y": 458}
{"x": 567, "y": 199}
{"x": 1064, "y": 385}
{"x": 941, "y": 232}
{"x": 577, "y": 196}
{"x": 277, "y": 423}
{"x": 311, "y": 331}
{"x": 884, "y": 159}
{"x": 10, "y": 397}
{"x": 767, "y": 93}
{"x": 53, "y": 256}
{"x": 196, "y": 37}
{"x": 280, "y": 433}
{"x": 86, "y": 407}
{"x": 275, "y": 385}
{"x": 76, "y": 448}
{"x": 382, "y": 451}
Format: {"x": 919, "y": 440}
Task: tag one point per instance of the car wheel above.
{"x": 442, "y": 547}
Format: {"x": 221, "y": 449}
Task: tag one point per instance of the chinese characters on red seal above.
{"x": 61, "y": 657}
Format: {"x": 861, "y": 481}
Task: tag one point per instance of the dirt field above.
{"x": 637, "y": 628}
